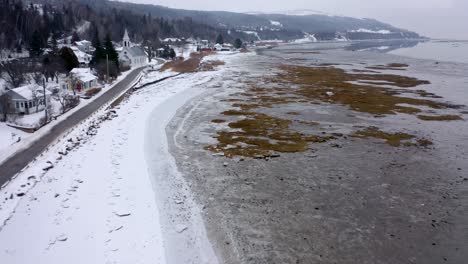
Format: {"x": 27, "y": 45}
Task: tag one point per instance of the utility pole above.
{"x": 107, "y": 59}
{"x": 45, "y": 100}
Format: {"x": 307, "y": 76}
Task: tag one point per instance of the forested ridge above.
{"x": 24, "y": 25}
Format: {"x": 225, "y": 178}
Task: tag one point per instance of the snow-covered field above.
{"x": 93, "y": 197}
{"x": 9, "y": 136}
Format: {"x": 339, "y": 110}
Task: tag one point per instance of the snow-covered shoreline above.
{"x": 183, "y": 229}
{"x": 105, "y": 199}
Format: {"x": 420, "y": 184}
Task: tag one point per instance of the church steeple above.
{"x": 126, "y": 40}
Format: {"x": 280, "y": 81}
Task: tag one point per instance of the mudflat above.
{"x": 301, "y": 155}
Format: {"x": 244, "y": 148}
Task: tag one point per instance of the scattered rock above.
{"x": 116, "y": 229}
{"x": 30, "y": 178}
{"x": 181, "y": 228}
{"x": 225, "y": 164}
{"x": 120, "y": 214}
{"x": 49, "y": 166}
{"x": 62, "y": 238}
{"x": 18, "y": 194}
{"x": 178, "y": 201}
{"x": 57, "y": 195}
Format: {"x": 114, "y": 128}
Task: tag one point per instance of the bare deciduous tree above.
{"x": 35, "y": 96}
{"x": 5, "y": 106}
{"x": 73, "y": 80}
{"x": 66, "y": 100}
{"x": 15, "y": 72}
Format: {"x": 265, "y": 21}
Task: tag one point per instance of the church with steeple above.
{"x": 131, "y": 55}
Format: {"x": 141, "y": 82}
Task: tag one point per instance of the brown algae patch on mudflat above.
{"x": 390, "y": 66}
{"x": 192, "y": 64}
{"x": 218, "y": 121}
{"x": 333, "y": 85}
{"x": 262, "y": 135}
{"x": 440, "y": 118}
{"x": 258, "y": 134}
{"x": 211, "y": 65}
{"x": 392, "y": 139}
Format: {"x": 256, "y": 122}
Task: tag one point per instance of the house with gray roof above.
{"x": 131, "y": 55}
{"x": 27, "y": 99}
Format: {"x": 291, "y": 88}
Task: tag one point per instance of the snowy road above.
{"x": 101, "y": 202}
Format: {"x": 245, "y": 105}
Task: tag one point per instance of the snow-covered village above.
{"x": 206, "y": 132}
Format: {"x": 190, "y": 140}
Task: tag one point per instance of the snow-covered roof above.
{"x": 27, "y": 92}
{"x": 126, "y": 37}
{"x": 171, "y": 40}
{"x": 81, "y": 55}
{"x": 365, "y": 30}
{"x": 135, "y": 51}
{"x": 83, "y": 42}
{"x": 83, "y": 74}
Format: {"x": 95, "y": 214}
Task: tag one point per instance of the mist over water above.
{"x": 454, "y": 51}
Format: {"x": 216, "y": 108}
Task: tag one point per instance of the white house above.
{"x": 224, "y": 47}
{"x": 84, "y": 45}
{"x": 83, "y": 58}
{"x": 169, "y": 41}
{"x": 82, "y": 79}
{"x": 28, "y": 99}
{"x": 131, "y": 55}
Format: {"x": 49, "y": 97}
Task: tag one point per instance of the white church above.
{"x": 131, "y": 55}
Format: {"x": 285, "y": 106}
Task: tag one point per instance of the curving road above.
{"x": 17, "y": 162}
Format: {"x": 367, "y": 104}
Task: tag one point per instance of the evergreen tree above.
{"x": 69, "y": 58}
{"x": 172, "y": 53}
{"x": 75, "y": 37}
{"x": 54, "y": 45}
{"x": 238, "y": 43}
{"x": 110, "y": 51}
{"x": 36, "y": 47}
{"x": 220, "y": 39}
{"x": 99, "y": 52}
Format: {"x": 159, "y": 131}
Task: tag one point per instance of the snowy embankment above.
{"x": 101, "y": 193}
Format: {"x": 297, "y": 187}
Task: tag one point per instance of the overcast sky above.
{"x": 433, "y": 18}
